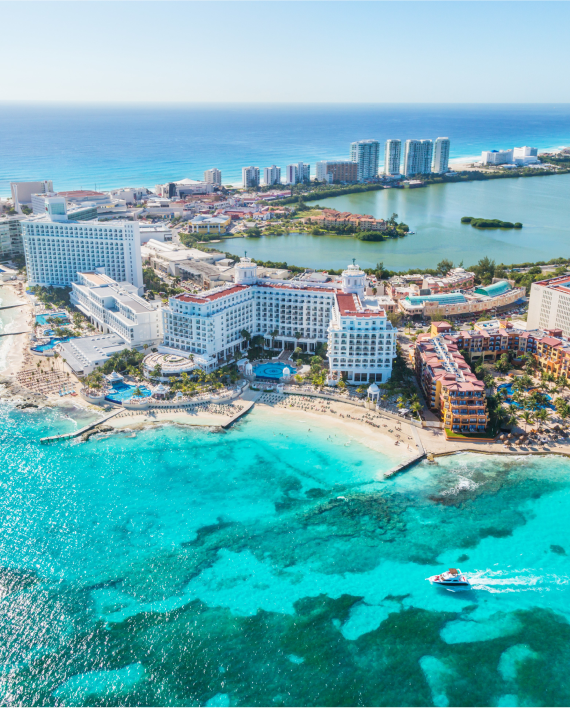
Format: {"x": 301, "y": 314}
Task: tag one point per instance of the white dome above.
{"x": 286, "y": 371}
{"x": 373, "y": 388}
{"x": 248, "y": 368}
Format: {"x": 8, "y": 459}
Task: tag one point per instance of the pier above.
{"x": 9, "y": 307}
{"x": 76, "y": 433}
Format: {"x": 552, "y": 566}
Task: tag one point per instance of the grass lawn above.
{"x": 487, "y": 435}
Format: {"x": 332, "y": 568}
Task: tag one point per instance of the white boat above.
{"x": 452, "y": 578}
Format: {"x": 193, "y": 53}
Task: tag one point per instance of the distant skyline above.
{"x": 291, "y": 52}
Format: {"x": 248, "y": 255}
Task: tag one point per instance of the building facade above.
{"x": 336, "y": 171}
{"x": 441, "y": 156}
{"x": 497, "y": 157}
{"x": 365, "y": 154}
{"x": 361, "y": 341}
{"x": 57, "y": 249}
{"x": 449, "y": 386}
{"x": 250, "y": 177}
{"x": 418, "y": 157}
{"x": 11, "y": 243}
{"x": 272, "y": 175}
{"x": 213, "y": 176}
{"x": 116, "y": 307}
{"x": 297, "y": 173}
{"x": 22, "y": 192}
{"x": 392, "y": 157}
{"x": 549, "y": 306}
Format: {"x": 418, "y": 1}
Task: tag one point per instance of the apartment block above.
{"x": 213, "y": 176}
{"x": 336, "y": 171}
{"x": 441, "y": 156}
{"x": 392, "y": 157}
{"x": 250, "y": 177}
{"x": 365, "y": 154}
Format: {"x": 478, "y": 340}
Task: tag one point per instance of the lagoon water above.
{"x": 195, "y": 567}
{"x": 434, "y": 213}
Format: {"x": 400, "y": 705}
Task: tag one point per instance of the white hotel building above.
{"x": 57, "y": 249}
{"x": 116, "y": 307}
{"x": 361, "y": 341}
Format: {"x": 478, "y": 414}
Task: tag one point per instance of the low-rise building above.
{"x": 452, "y": 304}
{"x": 84, "y": 354}
{"x": 116, "y": 307}
{"x": 209, "y": 224}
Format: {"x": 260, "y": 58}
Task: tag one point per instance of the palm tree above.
{"x": 527, "y": 417}
{"x": 541, "y": 416}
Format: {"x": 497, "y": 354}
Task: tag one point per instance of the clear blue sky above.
{"x": 286, "y": 51}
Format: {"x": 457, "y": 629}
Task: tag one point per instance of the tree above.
{"x": 156, "y": 372}
{"x": 245, "y": 335}
{"x": 541, "y": 416}
{"x": 444, "y": 266}
{"x": 395, "y": 318}
{"x": 342, "y": 384}
{"x": 527, "y": 417}
{"x": 503, "y": 365}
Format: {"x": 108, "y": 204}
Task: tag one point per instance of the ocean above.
{"x": 273, "y": 565}
{"x": 105, "y": 146}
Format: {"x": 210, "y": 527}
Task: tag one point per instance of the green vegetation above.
{"x": 490, "y": 223}
{"x": 52, "y": 297}
{"x": 153, "y": 284}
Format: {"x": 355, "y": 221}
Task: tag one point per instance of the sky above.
{"x": 394, "y": 52}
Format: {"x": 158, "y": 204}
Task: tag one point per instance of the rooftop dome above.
{"x": 373, "y": 388}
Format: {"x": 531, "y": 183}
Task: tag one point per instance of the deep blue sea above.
{"x": 141, "y": 145}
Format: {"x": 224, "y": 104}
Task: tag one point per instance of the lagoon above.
{"x": 434, "y": 213}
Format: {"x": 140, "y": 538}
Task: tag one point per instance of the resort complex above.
{"x": 215, "y": 326}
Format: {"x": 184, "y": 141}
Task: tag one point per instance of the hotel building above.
{"x": 361, "y": 341}
{"x": 57, "y": 249}
{"x": 549, "y": 306}
{"x": 365, "y": 154}
{"x": 392, "y": 157}
{"x": 117, "y": 308}
{"x": 441, "y": 156}
{"x": 449, "y": 385}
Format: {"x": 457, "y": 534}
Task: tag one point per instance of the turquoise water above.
{"x": 122, "y": 392}
{"x": 273, "y": 370}
{"x": 43, "y": 319}
{"x": 272, "y": 565}
{"x": 434, "y": 213}
{"x": 51, "y": 344}
{"x": 105, "y": 146}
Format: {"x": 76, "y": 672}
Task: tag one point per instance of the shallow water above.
{"x": 273, "y": 565}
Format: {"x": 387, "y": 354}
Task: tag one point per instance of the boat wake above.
{"x": 524, "y": 580}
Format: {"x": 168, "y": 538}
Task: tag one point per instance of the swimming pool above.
{"x": 51, "y": 344}
{"x": 122, "y": 392}
{"x": 272, "y": 371}
{"x": 509, "y": 389}
{"x": 43, "y": 319}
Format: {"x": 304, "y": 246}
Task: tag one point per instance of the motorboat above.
{"x": 452, "y": 578}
